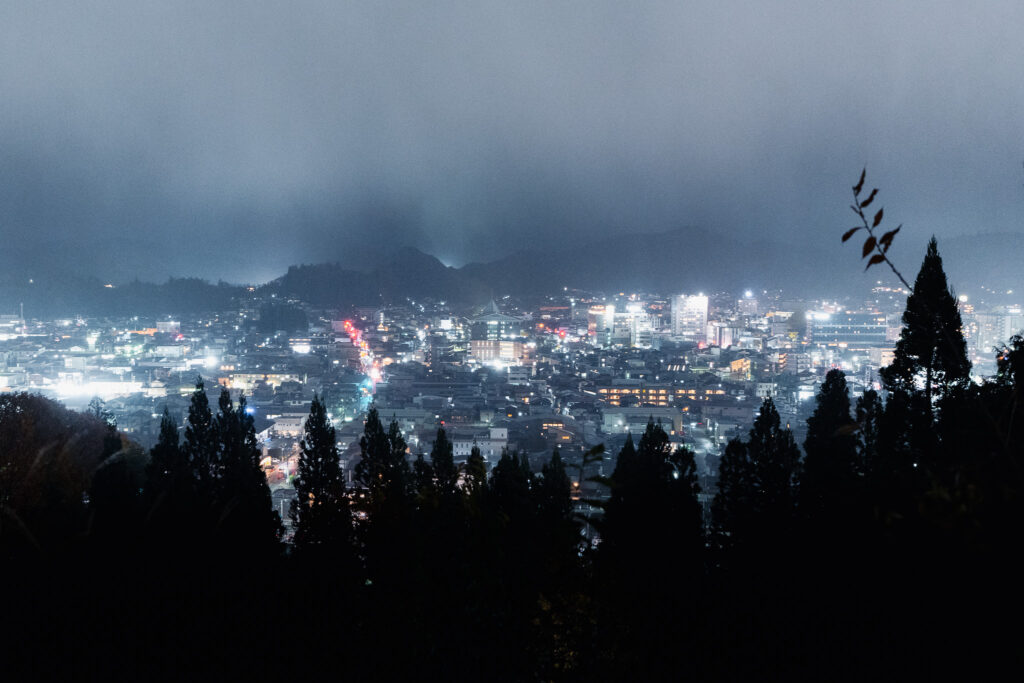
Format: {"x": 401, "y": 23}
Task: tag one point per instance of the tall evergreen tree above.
{"x": 170, "y": 488}
{"x": 475, "y": 479}
{"x": 554, "y": 491}
{"x": 442, "y": 461}
{"x": 830, "y": 482}
{"x": 320, "y": 512}
{"x": 776, "y": 461}
{"x": 201, "y": 445}
{"x": 868, "y": 417}
{"x": 653, "y": 512}
{"x": 756, "y": 502}
{"x": 246, "y": 518}
{"x": 931, "y": 347}
{"x": 734, "y": 507}
{"x": 389, "y": 501}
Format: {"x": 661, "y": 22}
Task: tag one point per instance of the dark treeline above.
{"x": 886, "y": 546}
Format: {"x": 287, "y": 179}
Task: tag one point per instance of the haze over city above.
{"x": 222, "y": 140}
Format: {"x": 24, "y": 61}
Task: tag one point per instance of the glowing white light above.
{"x": 300, "y": 348}
{"x": 104, "y": 390}
{"x": 211, "y": 361}
{"x": 748, "y": 294}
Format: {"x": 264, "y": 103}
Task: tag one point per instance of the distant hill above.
{"x": 68, "y": 295}
{"x": 683, "y": 260}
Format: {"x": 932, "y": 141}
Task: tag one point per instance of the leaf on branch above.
{"x": 860, "y": 183}
{"x": 849, "y": 233}
{"x": 869, "y": 244}
{"x": 871, "y": 198}
{"x": 878, "y": 218}
{"x": 886, "y": 240}
{"x": 877, "y": 258}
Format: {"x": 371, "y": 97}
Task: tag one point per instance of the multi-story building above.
{"x": 690, "y": 316}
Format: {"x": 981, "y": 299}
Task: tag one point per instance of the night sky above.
{"x": 230, "y": 139}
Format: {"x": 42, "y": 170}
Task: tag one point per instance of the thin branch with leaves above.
{"x": 878, "y": 245}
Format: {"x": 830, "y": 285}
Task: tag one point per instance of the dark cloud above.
{"x": 229, "y": 139}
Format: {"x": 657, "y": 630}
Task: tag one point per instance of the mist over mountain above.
{"x": 683, "y": 260}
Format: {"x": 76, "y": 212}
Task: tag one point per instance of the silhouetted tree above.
{"x": 831, "y": 477}
{"x": 755, "y": 505}
{"x": 931, "y": 346}
{"x": 734, "y": 507}
{"x": 554, "y": 491}
{"x": 170, "y": 492}
{"x": 388, "y": 501}
{"x": 246, "y": 515}
{"x": 201, "y": 446}
{"x": 442, "y": 461}
{"x": 320, "y": 512}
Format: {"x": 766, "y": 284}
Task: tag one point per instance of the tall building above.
{"x": 690, "y": 316}
{"x": 492, "y": 324}
{"x": 849, "y": 330}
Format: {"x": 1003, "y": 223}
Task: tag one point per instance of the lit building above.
{"x": 492, "y": 350}
{"x": 493, "y": 324}
{"x": 690, "y": 316}
{"x": 849, "y": 330}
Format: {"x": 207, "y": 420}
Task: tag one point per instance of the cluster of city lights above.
{"x": 370, "y": 365}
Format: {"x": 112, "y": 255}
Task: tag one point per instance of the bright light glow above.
{"x": 301, "y": 348}
{"x": 748, "y": 294}
{"x": 211, "y": 361}
{"x": 105, "y": 390}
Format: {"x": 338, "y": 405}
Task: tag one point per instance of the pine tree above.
{"x": 832, "y": 473}
{"x": 423, "y": 476}
{"x": 931, "y": 343}
{"x": 320, "y": 512}
{"x": 475, "y": 477}
{"x": 170, "y": 492}
{"x": 510, "y": 485}
{"x": 554, "y": 491}
{"x": 246, "y": 516}
{"x": 201, "y": 445}
{"x": 442, "y": 461}
{"x": 389, "y": 502}
{"x": 776, "y": 461}
{"x": 653, "y": 518}
{"x": 734, "y": 508}
{"x": 756, "y": 502}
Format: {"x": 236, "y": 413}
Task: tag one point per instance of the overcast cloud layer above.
{"x": 230, "y": 139}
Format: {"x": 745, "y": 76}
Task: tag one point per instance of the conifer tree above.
{"x": 320, "y": 512}
{"x": 776, "y": 460}
{"x": 389, "y": 502}
{"x": 931, "y": 346}
{"x": 442, "y": 461}
{"x": 510, "y": 485}
{"x": 475, "y": 478}
{"x": 832, "y": 472}
{"x": 246, "y": 516}
{"x": 168, "y": 468}
{"x": 170, "y": 488}
{"x": 869, "y": 414}
{"x": 653, "y": 516}
{"x": 423, "y": 476}
{"x": 734, "y": 509}
{"x": 554, "y": 491}
{"x": 201, "y": 445}
{"x": 755, "y": 504}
